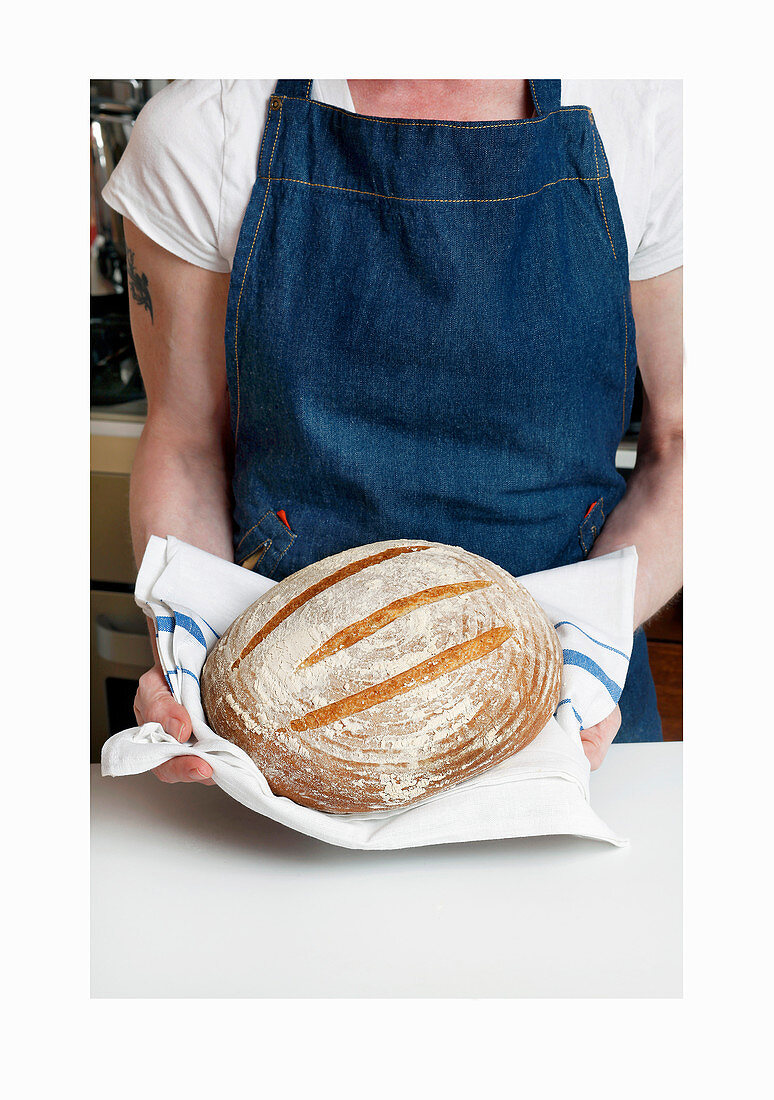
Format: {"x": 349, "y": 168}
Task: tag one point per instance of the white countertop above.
{"x": 193, "y": 895}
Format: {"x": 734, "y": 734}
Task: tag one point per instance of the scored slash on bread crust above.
{"x": 386, "y": 615}
{"x": 316, "y": 589}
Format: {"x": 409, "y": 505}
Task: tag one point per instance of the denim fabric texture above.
{"x": 429, "y": 335}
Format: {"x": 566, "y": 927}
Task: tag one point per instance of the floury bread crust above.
{"x": 382, "y": 675}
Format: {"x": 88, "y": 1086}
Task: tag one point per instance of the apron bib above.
{"x": 429, "y": 335}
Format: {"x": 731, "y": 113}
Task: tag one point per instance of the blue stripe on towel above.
{"x": 212, "y": 628}
{"x": 595, "y": 640}
{"x": 561, "y": 703}
{"x": 188, "y": 624}
{"x": 174, "y": 672}
{"x": 166, "y": 624}
{"x": 573, "y": 657}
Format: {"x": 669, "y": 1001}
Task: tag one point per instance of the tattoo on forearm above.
{"x": 138, "y": 284}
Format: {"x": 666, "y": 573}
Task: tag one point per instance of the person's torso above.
{"x": 429, "y": 336}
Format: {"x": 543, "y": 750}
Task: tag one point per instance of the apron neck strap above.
{"x": 546, "y": 95}
{"x": 296, "y": 89}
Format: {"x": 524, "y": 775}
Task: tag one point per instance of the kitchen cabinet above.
{"x": 112, "y": 560}
{"x": 120, "y": 653}
{"x": 120, "y": 643}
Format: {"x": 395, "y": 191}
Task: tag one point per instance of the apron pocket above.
{"x": 267, "y": 541}
{"x": 591, "y": 524}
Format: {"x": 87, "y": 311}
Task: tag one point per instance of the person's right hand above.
{"x": 154, "y": 702}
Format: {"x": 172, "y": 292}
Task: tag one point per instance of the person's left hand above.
{"x": 598, "y": 739}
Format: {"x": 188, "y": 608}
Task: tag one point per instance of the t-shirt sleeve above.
{"x": 169, "y": 179}
{"x": 661, "y": 247}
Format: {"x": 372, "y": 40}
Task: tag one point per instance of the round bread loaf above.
{"x": 384, "y": 674}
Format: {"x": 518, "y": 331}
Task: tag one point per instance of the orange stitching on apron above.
{"x": 535, "y": 98}
{"x": 403, "y": 198}
{"x": 284, "y": 552}
{"x": 626, "y": 320}
{"x": 244, "y": 536}
{"x": 434, "y": 122}
{"x": 247, "y": 265}
{"x": 257, "y": 555}
{"x": 266, "y": 544}
{"x": 599, "y": 186}
{"x": 276, "y": 134}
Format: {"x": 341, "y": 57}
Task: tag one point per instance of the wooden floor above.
{"x": 665, "y": 649}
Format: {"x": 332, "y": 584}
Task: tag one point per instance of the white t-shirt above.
{"x": 187, "y": 173}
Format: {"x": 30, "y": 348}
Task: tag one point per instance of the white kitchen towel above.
{"x": 542, "y": 790}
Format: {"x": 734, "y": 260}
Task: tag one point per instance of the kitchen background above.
{"x": 120, "y": 646}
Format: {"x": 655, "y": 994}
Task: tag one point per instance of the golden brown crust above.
{"x": 408, "y": 694}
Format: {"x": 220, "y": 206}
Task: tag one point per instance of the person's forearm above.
{"x": 180, "y": 492}
{"x": 649, "y": 516}
{"x": 176, "y": 492}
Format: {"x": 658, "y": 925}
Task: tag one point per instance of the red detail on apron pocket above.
{"x": 281, "y": 515}
{"x": 591, "y": 509}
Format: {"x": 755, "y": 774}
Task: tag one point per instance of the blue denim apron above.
{"x": 429, "y": 335}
